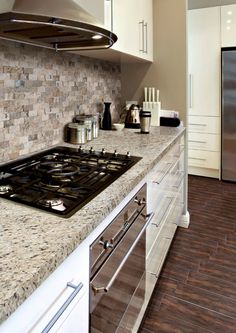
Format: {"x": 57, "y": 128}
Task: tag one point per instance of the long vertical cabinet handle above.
{"x": 112, "y": 13}
{"x": 145, "y": 27}
{"x": 190, "y": 91}
{"x": 141, "y": 36}
{"x": 64, "y": 306}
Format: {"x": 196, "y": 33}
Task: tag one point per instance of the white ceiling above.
{"x": 192, "y": 4}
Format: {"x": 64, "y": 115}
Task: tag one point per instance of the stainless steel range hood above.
{"x": 55, "y": 24}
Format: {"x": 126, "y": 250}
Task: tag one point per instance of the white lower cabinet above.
{"x": 60, "y": 304}
{"x": 166, "y": 198}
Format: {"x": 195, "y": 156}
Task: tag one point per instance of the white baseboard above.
{"x": 185, "y": 220}
{"x": 212, "y": 173}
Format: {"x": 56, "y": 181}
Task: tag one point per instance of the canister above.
{"x": 76, "y": 133}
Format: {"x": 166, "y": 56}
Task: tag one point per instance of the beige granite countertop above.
{"x": 33, "y": 243}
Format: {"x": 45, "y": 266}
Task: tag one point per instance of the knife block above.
{"x": 154, "y": 108}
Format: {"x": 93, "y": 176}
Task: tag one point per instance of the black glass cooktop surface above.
{"x": 61, "y": 180}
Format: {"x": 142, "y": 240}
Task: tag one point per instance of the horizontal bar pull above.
{"x": 197, "y": 158}
{"x": 192, "y": 124}
{"x": 197, "y": 141}
{"x": 64, "y": 306}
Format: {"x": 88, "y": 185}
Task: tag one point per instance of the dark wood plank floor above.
{"x": 196, "y": 292}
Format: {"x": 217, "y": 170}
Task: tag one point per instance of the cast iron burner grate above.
{"x": 61, "y": 180}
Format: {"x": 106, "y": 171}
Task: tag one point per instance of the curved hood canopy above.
{"x": 61, "y": 25}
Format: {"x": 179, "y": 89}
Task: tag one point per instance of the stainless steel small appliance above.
{"x": 145, "y": 121}
{"x": 61, "y": 180}
{"x": 117, "y": 272}
{"x": 132, "y": 118}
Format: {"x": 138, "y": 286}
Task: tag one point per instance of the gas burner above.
{"x": 58, "y": 169}
{"x": 5, "y": 189}
{"x": 74, "y": 190}
{"x": 51, "y": 156}
{"x": 53, "y": 203}
{"x": 21, "y": 179}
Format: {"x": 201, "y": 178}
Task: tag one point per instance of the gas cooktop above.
{"x": 61, "y": 180}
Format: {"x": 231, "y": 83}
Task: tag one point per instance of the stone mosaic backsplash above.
{"x": 41, "y": 91}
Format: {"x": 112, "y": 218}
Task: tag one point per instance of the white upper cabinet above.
{"x": 228, "y": 25}
{"x": 130, "y": 20}
{"x": 133, "y": 24}
{"x": 204, "y": 61}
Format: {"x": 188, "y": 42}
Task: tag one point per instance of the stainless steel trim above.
{"x": 109, "y": 284}
{"x": 64, "y": 306}
{"x": 52, "y": 24}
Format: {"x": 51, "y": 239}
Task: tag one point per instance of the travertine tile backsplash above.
{"x": 41, "y": 91}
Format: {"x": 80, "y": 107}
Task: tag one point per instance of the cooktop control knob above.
{"x": 115, "y": 153}
{"x": 128, "y": 154}
{"x": 81, "y": 149}
{"x": 91, "y": 150}
{"x": 103, "y": 151}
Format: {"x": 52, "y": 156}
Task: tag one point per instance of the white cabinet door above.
{"x": 125, "y": 26}
{"x": 228, "y": 25}
{"x": 204, "y": 61}
{"x": 133, "y": 25}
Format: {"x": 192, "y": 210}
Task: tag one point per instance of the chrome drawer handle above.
{"x": 197, "y": 124}
{"x": 64, "y": 306}
{"x": 197, "y": 158}
{"x": 197, "y": 141}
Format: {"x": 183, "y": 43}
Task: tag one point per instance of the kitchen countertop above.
{"x": 33, "y": 243}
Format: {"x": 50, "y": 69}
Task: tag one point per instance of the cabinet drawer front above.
{"x": 204, "y": 159}
{"x": 157, "y": 256}
{"x": 204, "y": 141}
{"x": 201, "y": 124}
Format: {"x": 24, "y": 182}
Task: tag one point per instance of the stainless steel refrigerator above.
{"x": 228, "y": 141}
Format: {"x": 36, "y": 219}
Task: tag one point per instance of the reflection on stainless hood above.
{"x": 55, "y": 24}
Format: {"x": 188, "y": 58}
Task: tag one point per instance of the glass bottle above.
{"x": 106, "y": 121}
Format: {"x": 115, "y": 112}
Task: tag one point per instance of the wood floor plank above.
{"x": 196, "y": 315}
{"x": 221, "y": 272}
{"x": 212, "y": 284}
{"x": 196, "y": 290}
